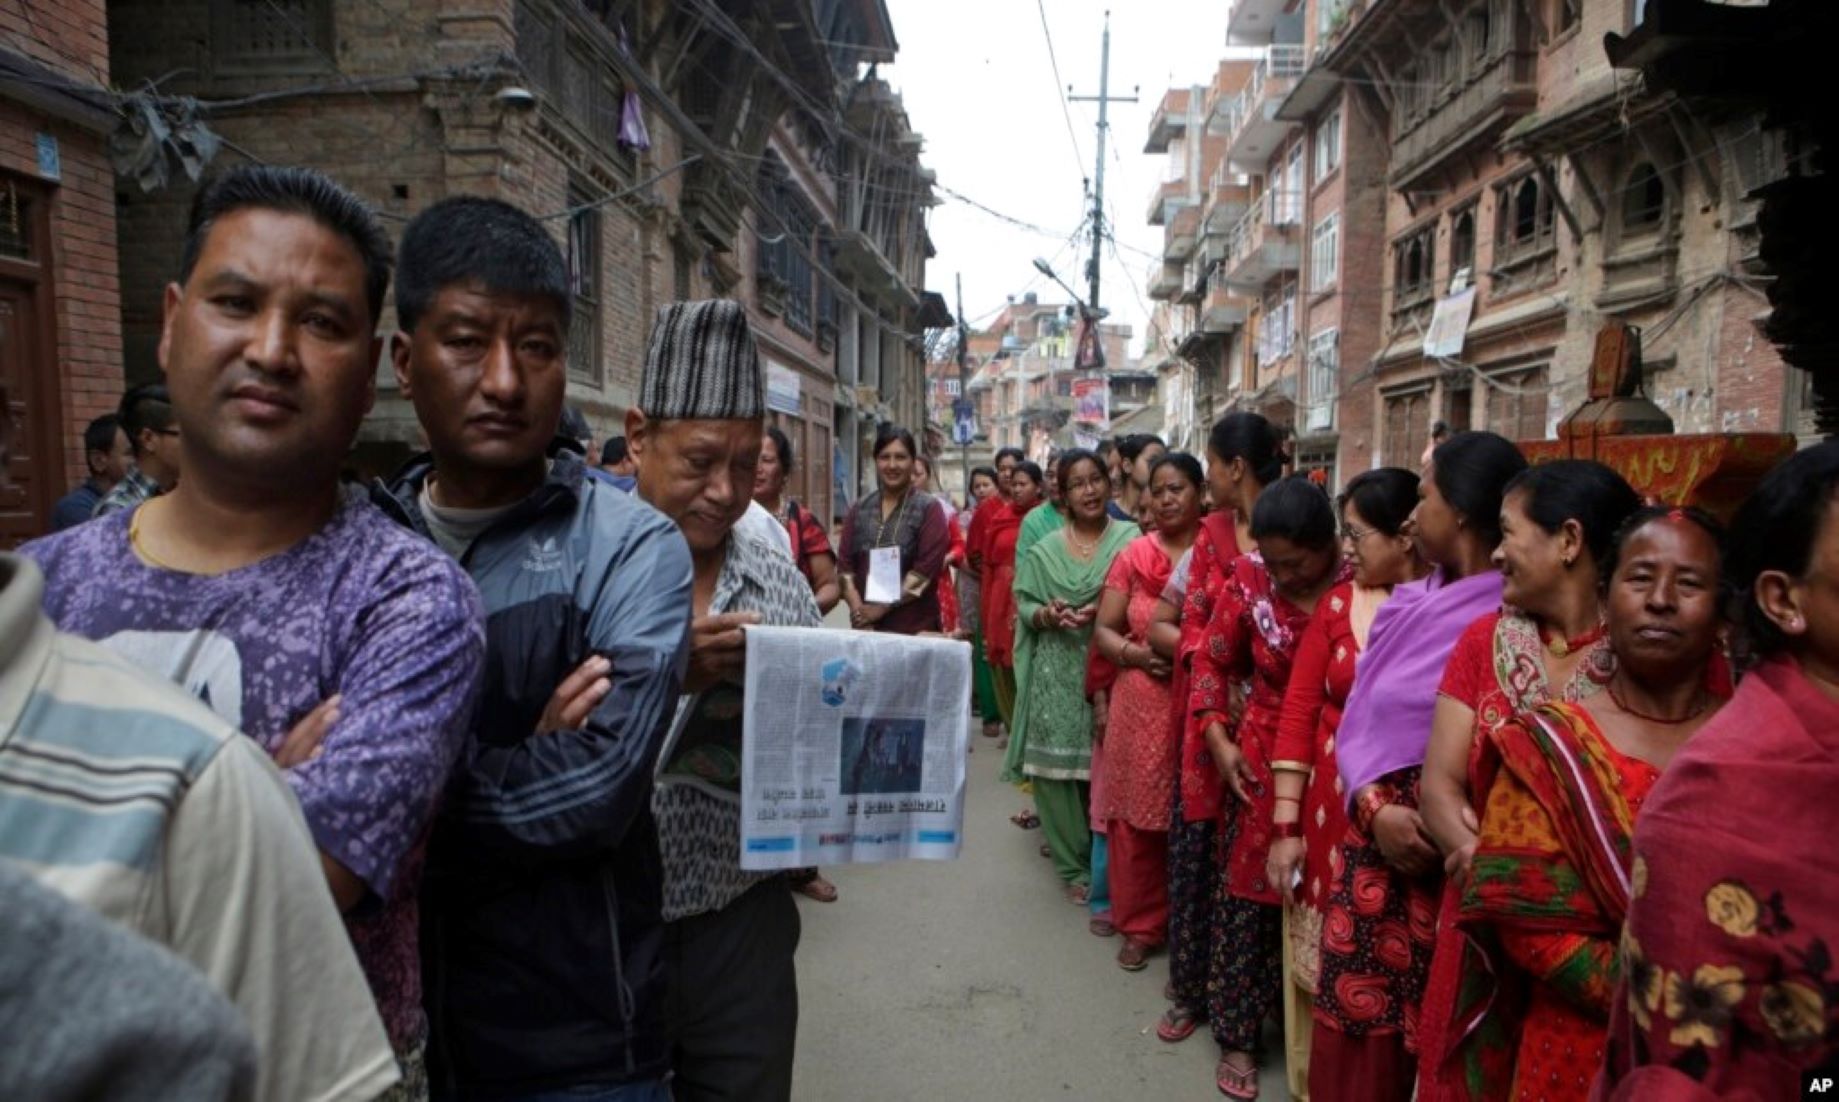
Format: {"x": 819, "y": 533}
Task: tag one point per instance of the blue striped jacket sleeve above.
{"x": 562, "y": 793}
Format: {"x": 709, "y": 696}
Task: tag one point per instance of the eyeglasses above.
{"x": 1352, "y": 534}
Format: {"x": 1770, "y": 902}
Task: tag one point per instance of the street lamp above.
{"x": 1046, "y": 269}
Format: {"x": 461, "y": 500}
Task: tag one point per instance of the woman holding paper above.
{"x": 1057, "y": 587}
{"x": 894, "y": 543}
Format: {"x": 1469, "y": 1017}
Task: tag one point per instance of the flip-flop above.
{"x": 1134, "y": 956}
{"x": 1241, "y": 1083}
{"x": 1177, "y": 1025}
{"x": 1077, "y": 894}
{"x": 1101, "y": 926}
{"x": 1027, "y": 820}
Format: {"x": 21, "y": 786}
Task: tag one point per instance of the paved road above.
{"x": 975, "y": 979}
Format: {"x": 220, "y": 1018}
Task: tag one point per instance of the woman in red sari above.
{"x": 1141, "y": 746}
{"x": 1564, "y": 783}
{"x": 998, "y": 574}
{"x": 1256, "y": 626}
{"x": 1728, "y": 986}
{"x": 1242, "y": 459}
{"x": 950, "y": 619}
{"x": 1557, "y": 523}
{"x": 1344, "y": 1013}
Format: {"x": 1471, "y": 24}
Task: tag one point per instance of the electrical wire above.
{"x": 1066, "y": 110}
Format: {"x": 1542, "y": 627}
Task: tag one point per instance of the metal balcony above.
{"x": 1255, "y": 130}
{"x": 1181, "y": 234}
{"x": 1454, "y": 119}
{"x": 1261, "y": 250}
{"x": 1194, "y": 280}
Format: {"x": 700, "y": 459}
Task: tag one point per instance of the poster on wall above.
{"x": 784, "y": 391}
{"x": 1449, "y": 325}
{"x": 1092, "y": 403}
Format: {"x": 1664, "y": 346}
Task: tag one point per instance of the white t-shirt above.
{"x": 756, "y": 521}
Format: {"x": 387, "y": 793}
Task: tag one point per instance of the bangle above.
{"x": 1287, "y": 830}
{"x": 1288, "y": 800}
{"x": 1370, "y": 801}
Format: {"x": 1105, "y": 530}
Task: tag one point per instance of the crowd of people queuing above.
{"x": 1478, "y": 781}
{"x": 1442, "y": 780}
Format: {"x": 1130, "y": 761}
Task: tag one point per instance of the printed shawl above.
{"x": 1554, "y": 858}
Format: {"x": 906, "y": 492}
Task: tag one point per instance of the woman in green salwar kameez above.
{"x": 1057, "y": 586}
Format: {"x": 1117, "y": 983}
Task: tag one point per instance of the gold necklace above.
{"x": 140, "y": 548}
{"x": 1083, "y": 548}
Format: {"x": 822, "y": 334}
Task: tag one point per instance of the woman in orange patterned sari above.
{"x": 1552, "y": 873}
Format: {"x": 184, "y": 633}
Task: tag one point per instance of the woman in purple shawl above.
{"x": 1385, "y": 728}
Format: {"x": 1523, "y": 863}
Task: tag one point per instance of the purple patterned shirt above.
{"x": 362, "y": 608}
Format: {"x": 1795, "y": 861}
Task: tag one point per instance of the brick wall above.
{"x": 71, "y": 37}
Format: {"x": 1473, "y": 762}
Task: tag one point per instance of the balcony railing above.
{"x": 1222, "y": 311}
{"x": 1261, "y": 248}
{"x": 1252, "y": 126}
{"x": 1494, "y": 96}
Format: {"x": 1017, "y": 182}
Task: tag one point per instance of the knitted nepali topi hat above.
{"x": 702, "y": 365}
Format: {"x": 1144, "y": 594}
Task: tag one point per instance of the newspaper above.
{"x": 853, "y": 747}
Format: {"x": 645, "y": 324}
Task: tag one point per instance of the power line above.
{"x": 1060, "y": 86}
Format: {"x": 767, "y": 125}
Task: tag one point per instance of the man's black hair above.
{"x": 147, "y": 406}
{"x": 100, "y": 435}
{"x": 613, "y": 452}
{"x": 488, "y": 242}
{"x": 294, "y": 191}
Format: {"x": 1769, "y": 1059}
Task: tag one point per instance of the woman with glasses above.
{"x": 1351, "y": 952}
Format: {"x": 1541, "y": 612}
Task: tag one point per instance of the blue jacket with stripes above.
{"x": 541, "y": 932}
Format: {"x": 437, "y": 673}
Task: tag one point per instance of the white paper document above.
{"x": 883, "y": 576}
{"x": 853, "y": 747}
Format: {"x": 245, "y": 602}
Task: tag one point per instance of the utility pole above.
{"x": 1104, "y": 99}
{"x": 964, "y": 390}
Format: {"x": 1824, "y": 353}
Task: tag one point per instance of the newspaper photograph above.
{"x": 852, "y": 748}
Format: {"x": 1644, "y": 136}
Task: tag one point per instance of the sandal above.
{"x": 1236, "y": 1082}
{"x": 1101, "y": 926}
{"x": 1134, "y": 956}
{"x": 1025, "y": 819}
{"x": 1177, "y": 1025}
{"x": 992, "y": 729}
{"x": 1077, "y": 894}
{"x": 1046, "y": 850}
{"x": 816, "y": 888}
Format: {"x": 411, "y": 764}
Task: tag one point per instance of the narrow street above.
{"x": 975, "y": 979}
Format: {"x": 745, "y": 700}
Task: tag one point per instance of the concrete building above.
{"x": 1525, "y": 168}
{"x": 1398, "y": 163}
{"x": 750, "y": 118}
{"x": 1024, "y": 384}
{"x": 60, "y": 311}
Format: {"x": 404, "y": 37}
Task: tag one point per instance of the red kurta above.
{"x": 1140, "y": 747}
{"x": 1254, "y": 634}
{"x": 998, "y": 611}
{"x": 1363, "y": 938}
{"x": 1216, "y": 547}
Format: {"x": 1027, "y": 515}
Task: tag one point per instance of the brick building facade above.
{"x": 60, "y": 327}
{"x": 1402, "y": 157}
{"x": 409, "y": 101}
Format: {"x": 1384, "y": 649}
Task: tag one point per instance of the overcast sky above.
{"x": 978, "y": 85}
